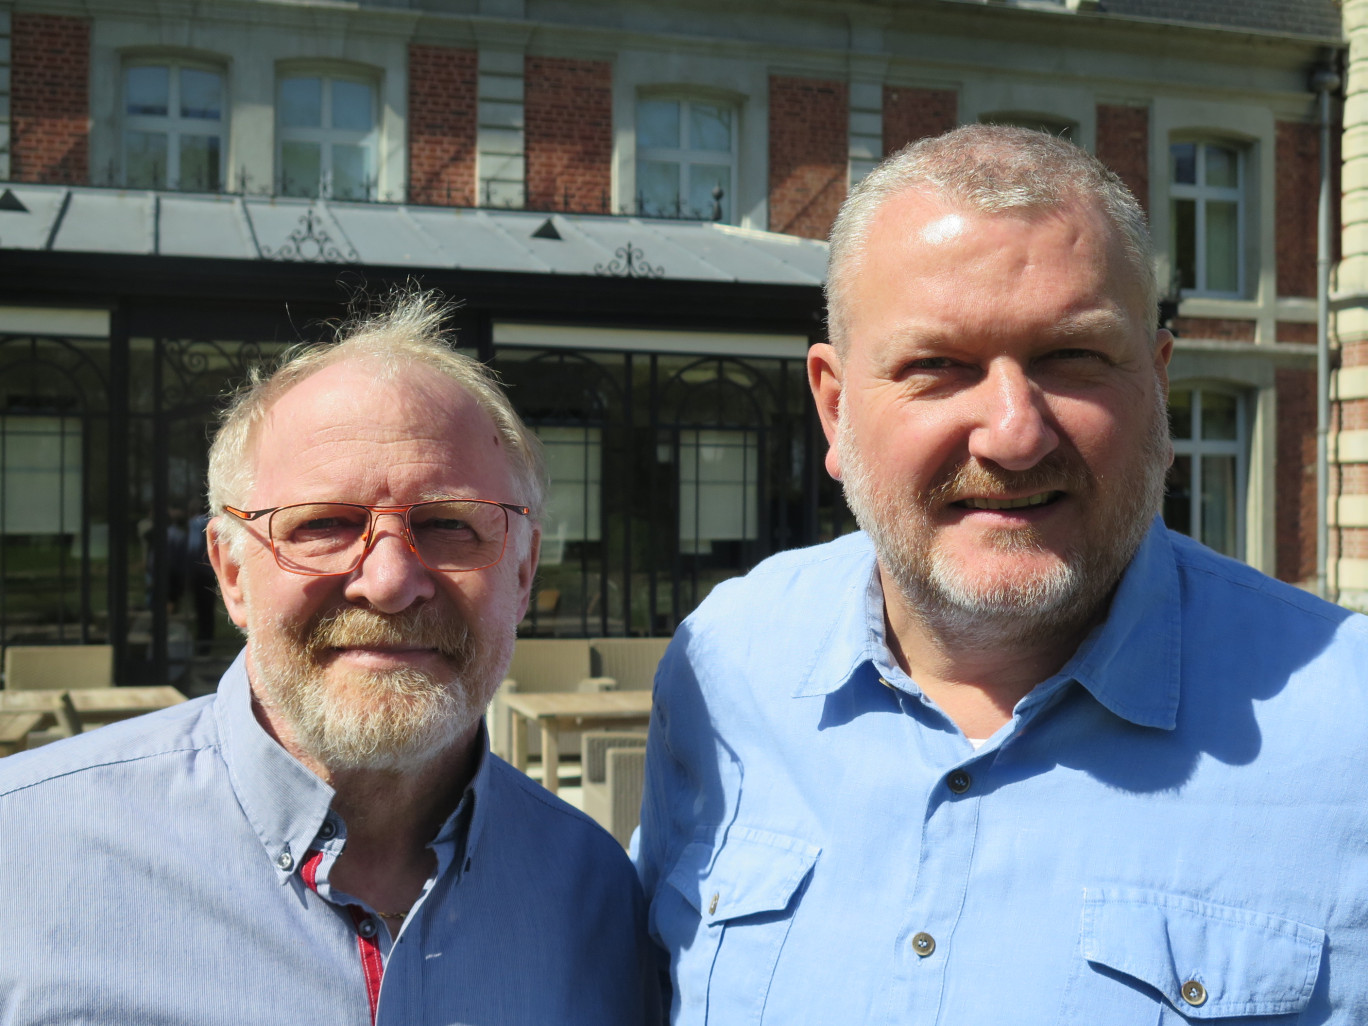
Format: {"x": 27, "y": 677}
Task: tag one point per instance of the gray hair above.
{"x": 991, "y": 169}
{"x": 406, "y": 331}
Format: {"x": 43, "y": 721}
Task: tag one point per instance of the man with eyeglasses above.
{"x": 329, "y": 839}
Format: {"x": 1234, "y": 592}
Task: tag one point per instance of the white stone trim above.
{"x": 500, "y": 137}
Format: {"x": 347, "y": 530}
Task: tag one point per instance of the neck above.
{"x": 976, "y": 678}
{"x": 391, "y": 817}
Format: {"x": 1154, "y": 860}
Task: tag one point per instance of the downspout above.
{"x": 1324, "y": 80}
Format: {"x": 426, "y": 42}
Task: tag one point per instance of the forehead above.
{"x": 353, "y": 431}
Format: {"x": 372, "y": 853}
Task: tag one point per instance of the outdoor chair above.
{"x": 58, "y": 667}
{"x": 541, "y": 665}
{"x": 613, "y": 772}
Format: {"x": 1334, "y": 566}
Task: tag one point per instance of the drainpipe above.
{"x": 1325, "y": 80}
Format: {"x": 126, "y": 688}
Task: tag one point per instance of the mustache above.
{"x": 424, "y": 626}
{"x": 1056, "y": 472}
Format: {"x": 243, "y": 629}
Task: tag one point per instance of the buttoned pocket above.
{"x": 1154, "y": 957}
{"x": 724, "y": 917}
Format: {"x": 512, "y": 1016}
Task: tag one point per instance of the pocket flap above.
{"x": 1209, "y": 961}
{"x": 754, "y": 871}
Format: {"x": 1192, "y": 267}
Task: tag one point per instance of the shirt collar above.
{"x": 1129, "y": 662}
{"x": 282, "y": 799}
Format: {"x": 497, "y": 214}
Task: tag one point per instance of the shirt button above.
{"x": 712, "y": 905}
{"x": 959, "y": 781}
{"x": 1194, "y": 993}
{"x": 285, "y": 860}
{"x": 327, "y": 831}
{"x": 367, "y": 928}
{"x": 923, "y": 944}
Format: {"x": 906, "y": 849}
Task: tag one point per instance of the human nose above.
{"x": 390, "y": 576}
{"x": 1013, "y": 423}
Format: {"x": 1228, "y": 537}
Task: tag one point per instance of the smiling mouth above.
{"x": 1025, "y": 502}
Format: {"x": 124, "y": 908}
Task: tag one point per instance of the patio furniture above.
{"x": 15, "y": 728}
{"x": 614, "y": 771}
{"x": 569, "y": 710}
{"x": 541, "y": 665}
{"x": 58, "y": 667}
{"x": 93, "y": 706}
{"x": 630, "y": 662}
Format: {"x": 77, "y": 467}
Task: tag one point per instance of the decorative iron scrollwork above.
{"x": 629, "y": 262}
{"x": 310, "y": 244}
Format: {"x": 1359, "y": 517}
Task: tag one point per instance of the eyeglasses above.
{"x": 322, "y": 539}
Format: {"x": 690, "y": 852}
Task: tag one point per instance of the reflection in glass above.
{"x": 718, "y": 477}
{"x": 199, "y": 163}
{"x": 351, "y": 106}
{"x": 300, "y": 169}
{"x": 710, "y": 127}
{"x": 658, "y": 185}
{"x": 658, "y": 124}
{"x": 1178, "y": 495}
{"x": 301, "y": 102}
{"x": 145, "y": 159}
{"x": 1184, "y": 156}
{"x": 1222, "y": 167}
{"x": 703, "y": 179}
{"x": 1180, "y": 413}
{"x": 349, "y": 179}
{"x": 147, "y": 90}
{"x": 1220, "y": 415}
{"x": 1218, "y": 503}
{"x": 1222, "y": 246}
{"x": 200, "y": 94}
{"x": 1185, "y": 242}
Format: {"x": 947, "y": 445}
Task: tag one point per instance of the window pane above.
{"x": 300, "y": 169}
{"x": 1222, "y": 247}
{"x": 1222, "y": 167}
{"x": 351, "y": 106}
{"x": 146, "y": 90}
{"x": 703, "y": 178}
{"x": 717, "y": 488}
{"x": 350, "y": 174}
{"x": 709, "y": 127}
{"x": 1184, "y": 158}
{"x": 199, "y": 163}
{"x": 1219, "y": 419}
{"x": 1185, "y": 242}
{"x": 658, "y": 124}
{"x": 1218, "y": 503}
{"x": 1180, "y": 413}
{"x": 574, "y": 458}
{"x": 301, "y": 103}
{"x": 658, "y": 186}
{"x": 1178, "y": 496}
{"x": 201, "y": 94}
{"x": 145, "y": 159}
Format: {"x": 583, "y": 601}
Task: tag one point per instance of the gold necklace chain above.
{"x": 392, "y": 915}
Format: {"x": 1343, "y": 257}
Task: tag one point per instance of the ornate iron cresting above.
{"x": 310, "y": 244}
{"x": 629, "y": 262}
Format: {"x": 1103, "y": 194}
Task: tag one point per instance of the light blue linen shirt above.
{"x": 153, "y": 871}
{"x": 1173, "y": 828}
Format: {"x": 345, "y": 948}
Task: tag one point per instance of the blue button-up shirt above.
{"x": 174, "y": 869}
{"x": 1172, "y": 828}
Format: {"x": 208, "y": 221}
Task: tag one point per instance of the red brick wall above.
{"x": 1297, "y": 163}
{"x": 49, "y": 99}
{"x": 443, "y": 86}
{"x": 1123, "y": 145}
{"x": 1296, "y": 475}
{"x": 569, "y": 133}
{"x": 912, "y": 114}
{"x": 1354, "y": 355}
{"x": 1297, "y": 331}
{"x": 1214, "y": 327}
{"x": 809, "y": 150}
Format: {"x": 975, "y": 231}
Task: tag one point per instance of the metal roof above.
{"x": 129, "y": 222}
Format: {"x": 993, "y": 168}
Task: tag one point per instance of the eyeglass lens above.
{"x": 331, "y": 537}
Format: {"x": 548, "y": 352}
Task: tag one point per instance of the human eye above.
{"x": 315, "y": 524}
{"x": 450, "y": 522}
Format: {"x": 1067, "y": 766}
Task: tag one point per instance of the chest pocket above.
{"x": 1208, "y": 963}
{"x": 725, "y": 915}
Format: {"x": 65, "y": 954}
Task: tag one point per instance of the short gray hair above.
{"x": 406, "y": 331}
{"x": 991, "y": 169}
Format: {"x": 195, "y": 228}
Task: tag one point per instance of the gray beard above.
{"x": 1060, "y": 603}
{"x": 396, "y": 720}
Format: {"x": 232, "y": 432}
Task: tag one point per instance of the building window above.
{"x": 686, "y": 159}
{"x": 326, "y": 131}
{"x": 718, "y": 485}
{"x": 1206, "y": 484}
{"x": 1206, "y": 193}
{"x": 173, "y": 127}
{"x": 574, "y": 512}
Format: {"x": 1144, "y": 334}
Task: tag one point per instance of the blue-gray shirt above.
{"x": 173, "y": 869}
{"x": 1173, "y": 828}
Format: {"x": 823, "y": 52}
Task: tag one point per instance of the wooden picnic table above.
{"x": 15, "y": 727}
{"x": 94, "y": 705}
{"x": 555, "y": 711}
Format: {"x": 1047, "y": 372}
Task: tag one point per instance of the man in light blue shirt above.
{"x": 1015, "y": 753}
{"x": 328, "y": 838}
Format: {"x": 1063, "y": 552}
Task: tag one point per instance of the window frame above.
{"x": 327, "y": 137}
{"x": 1201, "y": 194}
{"x": 685, "y": 156}
{"x": 171, "y": 124}
{"x": 1195, "y": 447}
